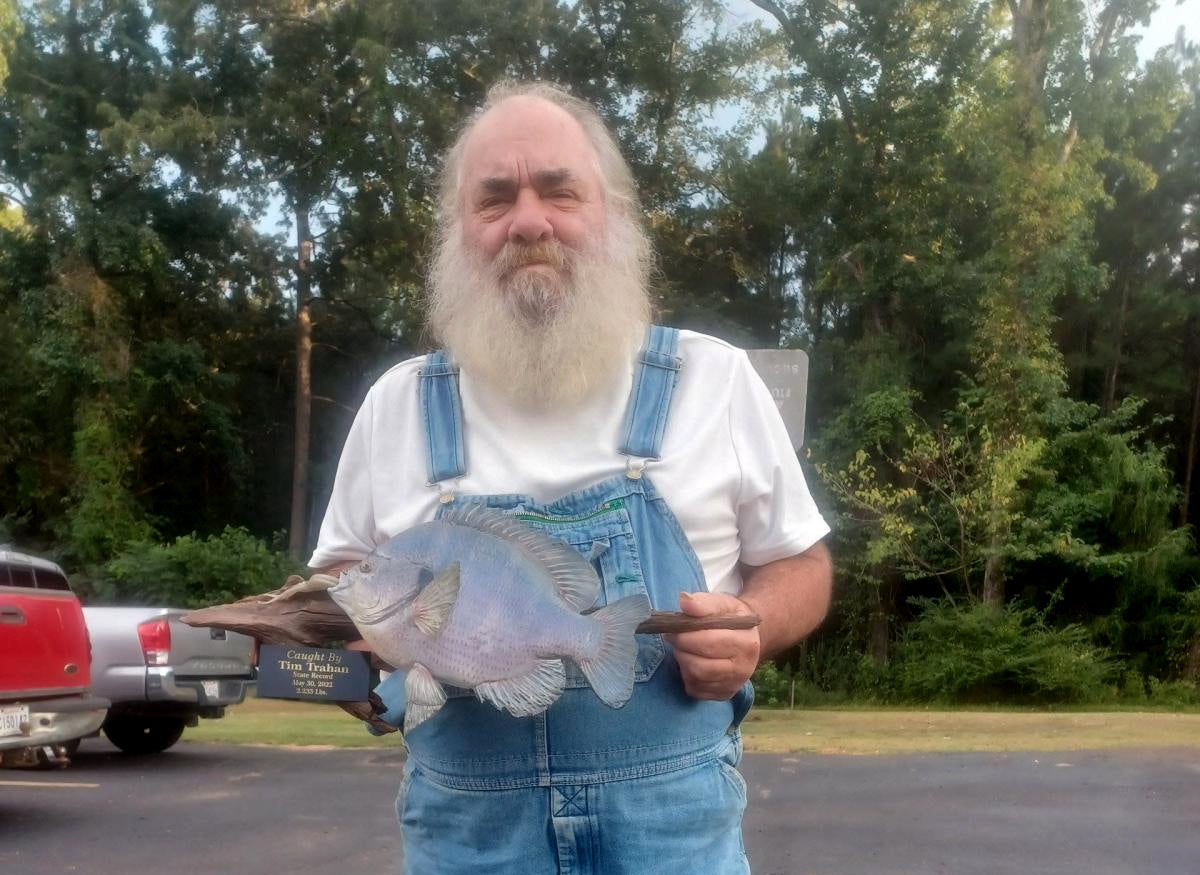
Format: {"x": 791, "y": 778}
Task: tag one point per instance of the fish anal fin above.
{"x": 423, "y": 697}
{"x": 431, "y": 609}
{"x": 527, "y": 694}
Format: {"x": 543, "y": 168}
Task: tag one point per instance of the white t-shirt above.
{"x": 728, "y": 471}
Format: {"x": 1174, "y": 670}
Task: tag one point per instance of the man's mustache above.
{"x": 514, "y": 255}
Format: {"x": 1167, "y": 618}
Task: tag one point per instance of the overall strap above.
{"x": 650, "y": 400}
{"x": 441, "y": 408}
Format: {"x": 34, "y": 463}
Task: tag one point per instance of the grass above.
{"x": 279, "y": 722}
{"x": 886, "y": 732}
{"x": 863, "y": 732}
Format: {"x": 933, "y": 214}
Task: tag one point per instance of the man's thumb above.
{"x": 706, "y": 604}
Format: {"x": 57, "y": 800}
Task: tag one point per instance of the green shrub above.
{"x": 773, "y": 688}
{"x": 196, "y": 572}
{"x": 1138, "y": 691}
{"x": 771, "y": 685}
{"x": 977, "y": 653}
{"x": 1173, "y": 693}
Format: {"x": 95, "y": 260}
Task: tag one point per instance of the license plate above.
{"x": 11, "y": 718}
{"x": 212, "y": 689}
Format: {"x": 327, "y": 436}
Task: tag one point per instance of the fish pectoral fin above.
{"x": 431, "y": 609}
{"x": 296, "y": 585}
{"x": 423, "y": 697}
{"x": 527, "y": 694}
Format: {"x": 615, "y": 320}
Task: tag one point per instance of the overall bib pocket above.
{"x": 604, "y": 536}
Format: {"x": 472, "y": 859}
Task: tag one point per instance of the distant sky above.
{"x": 1165, "y": 22}
{"x": 1167, "y": 19}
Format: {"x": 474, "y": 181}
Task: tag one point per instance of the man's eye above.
{"x": 563, "y": 193}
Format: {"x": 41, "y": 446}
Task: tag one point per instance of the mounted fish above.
{"x": 480, "y": 601}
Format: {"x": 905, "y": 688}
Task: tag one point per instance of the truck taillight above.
{"x": 155, "y": 636}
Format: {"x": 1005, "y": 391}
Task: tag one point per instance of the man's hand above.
{"x": 716, "y": 662}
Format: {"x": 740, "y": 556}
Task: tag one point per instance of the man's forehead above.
{"x": 527, "y": 135}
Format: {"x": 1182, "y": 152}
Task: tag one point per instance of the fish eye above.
{"x": 366, "y": 567}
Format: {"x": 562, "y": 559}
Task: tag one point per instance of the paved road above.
{"x": 218, "y": 809}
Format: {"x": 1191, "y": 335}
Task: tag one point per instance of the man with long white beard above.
{"x": 658, "y": 454}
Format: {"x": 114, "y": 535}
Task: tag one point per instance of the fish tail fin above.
{"x": 610, "y": 671}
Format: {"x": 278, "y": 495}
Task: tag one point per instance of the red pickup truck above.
{"x": 45, "y": 664}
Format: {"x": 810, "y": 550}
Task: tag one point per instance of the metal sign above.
{"x": 785, "y": 371}
{"x": 318, "y": 673}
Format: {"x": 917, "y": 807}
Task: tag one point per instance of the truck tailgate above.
{"x": 199, "y": 652}
{"x": 43, "y": 643}
{"x": 120, "y": 672}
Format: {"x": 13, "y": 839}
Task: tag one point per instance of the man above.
{"x": 668, "y": 468}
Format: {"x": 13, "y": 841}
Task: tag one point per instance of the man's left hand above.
{"x": 716, "y": 662}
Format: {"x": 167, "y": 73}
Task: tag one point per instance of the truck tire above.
{"x": 142, "y": 735}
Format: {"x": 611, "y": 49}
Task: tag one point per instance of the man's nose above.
{"x": 530, "y": 222}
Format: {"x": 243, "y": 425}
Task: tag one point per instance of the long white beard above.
{"x": 543, "y": 338}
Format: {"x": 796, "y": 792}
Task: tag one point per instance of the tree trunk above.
{"x": 298, "y": 534}
{"x": 879, "y": 627}
{"x": 993, "y": 578}
{"x": 879, "y": 630}
{"x": 1030, "y": 26}
{"x": 1114, "y": 373}
{"x": 1191, "y": 668}
{"x": 1190, "y": 463}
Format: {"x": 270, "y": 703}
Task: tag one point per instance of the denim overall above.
{"x": 650, "y": 788}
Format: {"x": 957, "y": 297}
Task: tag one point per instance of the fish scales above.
{"x": 508, "y": 613}
{"x": 479, "y": 600}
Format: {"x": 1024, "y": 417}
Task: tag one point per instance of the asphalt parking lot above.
{"x": 226, "y": 809}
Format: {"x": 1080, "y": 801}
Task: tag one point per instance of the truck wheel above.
{"x": 139, "y": 735}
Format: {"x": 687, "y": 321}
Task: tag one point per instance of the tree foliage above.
{"x": 980, "y": 219}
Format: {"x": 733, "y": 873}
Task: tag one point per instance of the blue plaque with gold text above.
{"x": 293, "y": 671}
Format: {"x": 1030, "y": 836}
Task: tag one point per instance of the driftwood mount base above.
{"x": 316, "y": 620}
{"x": 313, "y": 618}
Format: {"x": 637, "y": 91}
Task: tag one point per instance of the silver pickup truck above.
{"x": 161, "y": 675}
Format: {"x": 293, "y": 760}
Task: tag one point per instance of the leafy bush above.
{"x": 196, "y": 572}
{"x": 978, "y": 653}
{"x": 771, "y": 685}
{"x": 1173, "y": 694}
{"x": 773, "y": 689}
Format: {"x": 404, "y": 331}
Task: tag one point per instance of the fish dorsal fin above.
{"x": 431, "y": 608}
{"x": 573, "y": 575}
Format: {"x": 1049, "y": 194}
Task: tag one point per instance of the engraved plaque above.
{"x": 293, "y": 671}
